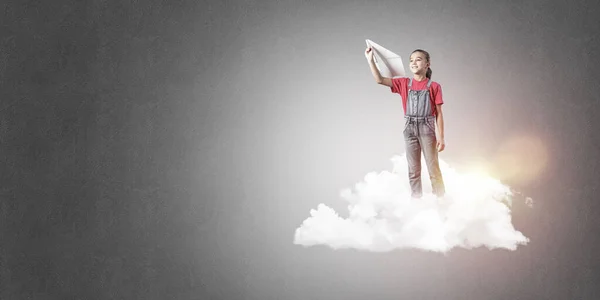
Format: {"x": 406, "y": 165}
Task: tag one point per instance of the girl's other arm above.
{"x": 441, "y": 144}
{"x": 378, "y": 78}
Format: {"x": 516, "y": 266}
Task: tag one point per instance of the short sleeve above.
{"x": 397, "y": 84}
{"x": 437, "y": 94}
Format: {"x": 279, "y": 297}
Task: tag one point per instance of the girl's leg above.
{"x": 429, "y": 144}
{"x": 413, "y": 157}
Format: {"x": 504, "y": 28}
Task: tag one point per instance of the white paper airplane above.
{"x": 388, "y": 63}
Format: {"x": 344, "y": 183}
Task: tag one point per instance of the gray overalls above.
{"x": 419, "y": 135}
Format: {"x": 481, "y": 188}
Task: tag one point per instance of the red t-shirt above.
{"x": 400, "y": 86}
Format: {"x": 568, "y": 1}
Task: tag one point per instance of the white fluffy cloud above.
{"x": 382, "y": 216}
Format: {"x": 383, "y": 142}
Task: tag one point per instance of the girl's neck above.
{"x": 419, "y": 77}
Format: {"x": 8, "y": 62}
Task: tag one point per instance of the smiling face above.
{"x": 419, "y": 63}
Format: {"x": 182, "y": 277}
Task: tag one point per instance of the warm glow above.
{"x": 520, "y": 159}
{"x": 382, "y": 216}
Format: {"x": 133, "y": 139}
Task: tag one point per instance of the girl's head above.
{"x": 420, "y": 62}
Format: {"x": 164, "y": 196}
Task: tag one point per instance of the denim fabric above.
{"x": 418, "y": 103}
{"x": 419, "y": 136}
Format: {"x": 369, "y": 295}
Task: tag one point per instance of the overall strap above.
{"x": 409, "y": 84}
{"x": 429, "y": 83}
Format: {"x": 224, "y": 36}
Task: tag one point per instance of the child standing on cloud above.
{"x": 423, "y": 119}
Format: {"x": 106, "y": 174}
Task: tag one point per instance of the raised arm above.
{"x": 378, "y": 78}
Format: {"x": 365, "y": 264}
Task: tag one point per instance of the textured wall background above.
{"x": 168, "y": 150}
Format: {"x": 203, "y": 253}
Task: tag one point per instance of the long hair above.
{"x": 428, "y": 58}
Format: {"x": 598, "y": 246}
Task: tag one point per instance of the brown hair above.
{"x": 427, "y": 57}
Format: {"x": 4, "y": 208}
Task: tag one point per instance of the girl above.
{"x": 423, "y": 119}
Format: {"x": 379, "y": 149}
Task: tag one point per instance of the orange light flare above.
{"x": 521, "y": 159}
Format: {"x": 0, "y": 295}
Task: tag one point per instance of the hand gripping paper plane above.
{"x": 388, "y": 63}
